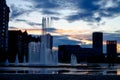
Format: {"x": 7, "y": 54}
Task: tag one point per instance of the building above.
{"x": 18, "y": 45}
{"x": 82, "y": 54}
{"x": 87, "y": 54}
{"x": 4, "y": 19}
{"x": 65, "y": 51}
{"x": 98, "y": 42}
{"x": 25, "y": 42}
{"x": 111, "y": 50}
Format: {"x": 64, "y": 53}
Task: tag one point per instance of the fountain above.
{"x": 40, "y": 53}
{"x": 16, "y": 60}
{"x": 55, "y": 57}
{"x": 45, "y": 43}
{"x": 24, "y": 59}
{"x": 34, "y": 53}
{"x": 6, "y": 62}
{"x": 73, "y": 60}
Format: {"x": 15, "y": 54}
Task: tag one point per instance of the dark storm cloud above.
{"x": 51, "y": 30}
{"x": 46, "y": 7}
{"x": 44, "y": 4}
{"x": 63, "y": 40}
{"x": 15, "y": 11}
{"x": 89, "y": 9}
{"x": 55, "y": 18}
{"x": 88, "y": 17}
{"x": 28, "y": 22}
{"x": 118, "y": 31}
{"x": 34, "y": 24}
{"x": 11, "y": 27}
{"x": 112, "y": 36}
{"x": 49, "y": 12}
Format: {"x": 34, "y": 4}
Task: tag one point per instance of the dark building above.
{"x": 87, "y": 54}
{"x": 65, "y": 51}
{"x": 98, "y": 42}
{"x": 25, "y": 42}
{"x": 94, "y": 54}
{"x": 111, "y": 51}
{"x": 18, "y": 45}
{"x": 4, "y": 19}
{"x": 82, "y": 54}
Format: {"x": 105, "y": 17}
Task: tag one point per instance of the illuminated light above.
{"x": 118, "y": 71}
{"x": 118, "y": 47}
{"x": 55, "y": 48}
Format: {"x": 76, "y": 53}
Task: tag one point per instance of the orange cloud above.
{"x": 71, "y": 32}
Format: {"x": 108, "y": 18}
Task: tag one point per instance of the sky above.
{"x": 73, "y": 21}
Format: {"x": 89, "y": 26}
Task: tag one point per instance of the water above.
{"x": 81, "y": 69}
{"x": 73, "y": 60}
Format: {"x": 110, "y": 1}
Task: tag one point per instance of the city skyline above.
{"x": 85, "y": 16}
{"x": 61, "y": 37}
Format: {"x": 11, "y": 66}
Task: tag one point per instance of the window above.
{"x": 2, "y": 34}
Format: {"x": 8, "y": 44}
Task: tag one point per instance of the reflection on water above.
{"x": 89, "y": 69}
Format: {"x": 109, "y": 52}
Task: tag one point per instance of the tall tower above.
{"x": 111, "y": 48}
{"x": 98, "y": 42}
{"x": 4, "y": 19}
{"x": 111, "y": 51}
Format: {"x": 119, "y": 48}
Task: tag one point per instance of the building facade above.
{"x": 111, "y": 50}
{"x": 65, "y": 51}
{"x": 98, "y": 42}
{"x": 4, "y": 20}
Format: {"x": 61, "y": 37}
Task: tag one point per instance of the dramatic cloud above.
{"x": 15, "y": 11}
{"x": 12, "y": 28}
{"x": 95, "y": 10}
{"x": 72, "y": 10}
{"x": 118, "y": 31}
{"x": 45, "y": 4}
{"x": 18, "y": 12}
{"x": 55, "y": 18}
{"x": 49, "y": 12}
{"x": 29, "y": 23}
{"x": 112, "y": 36}
{"x": 87, "y": 10}
{"x": 64, "y": 40}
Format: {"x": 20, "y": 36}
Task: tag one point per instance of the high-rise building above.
{"x": 4, "y": 19}
{"x": 98, "y": 42}
{"x": 111, "y": 50}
